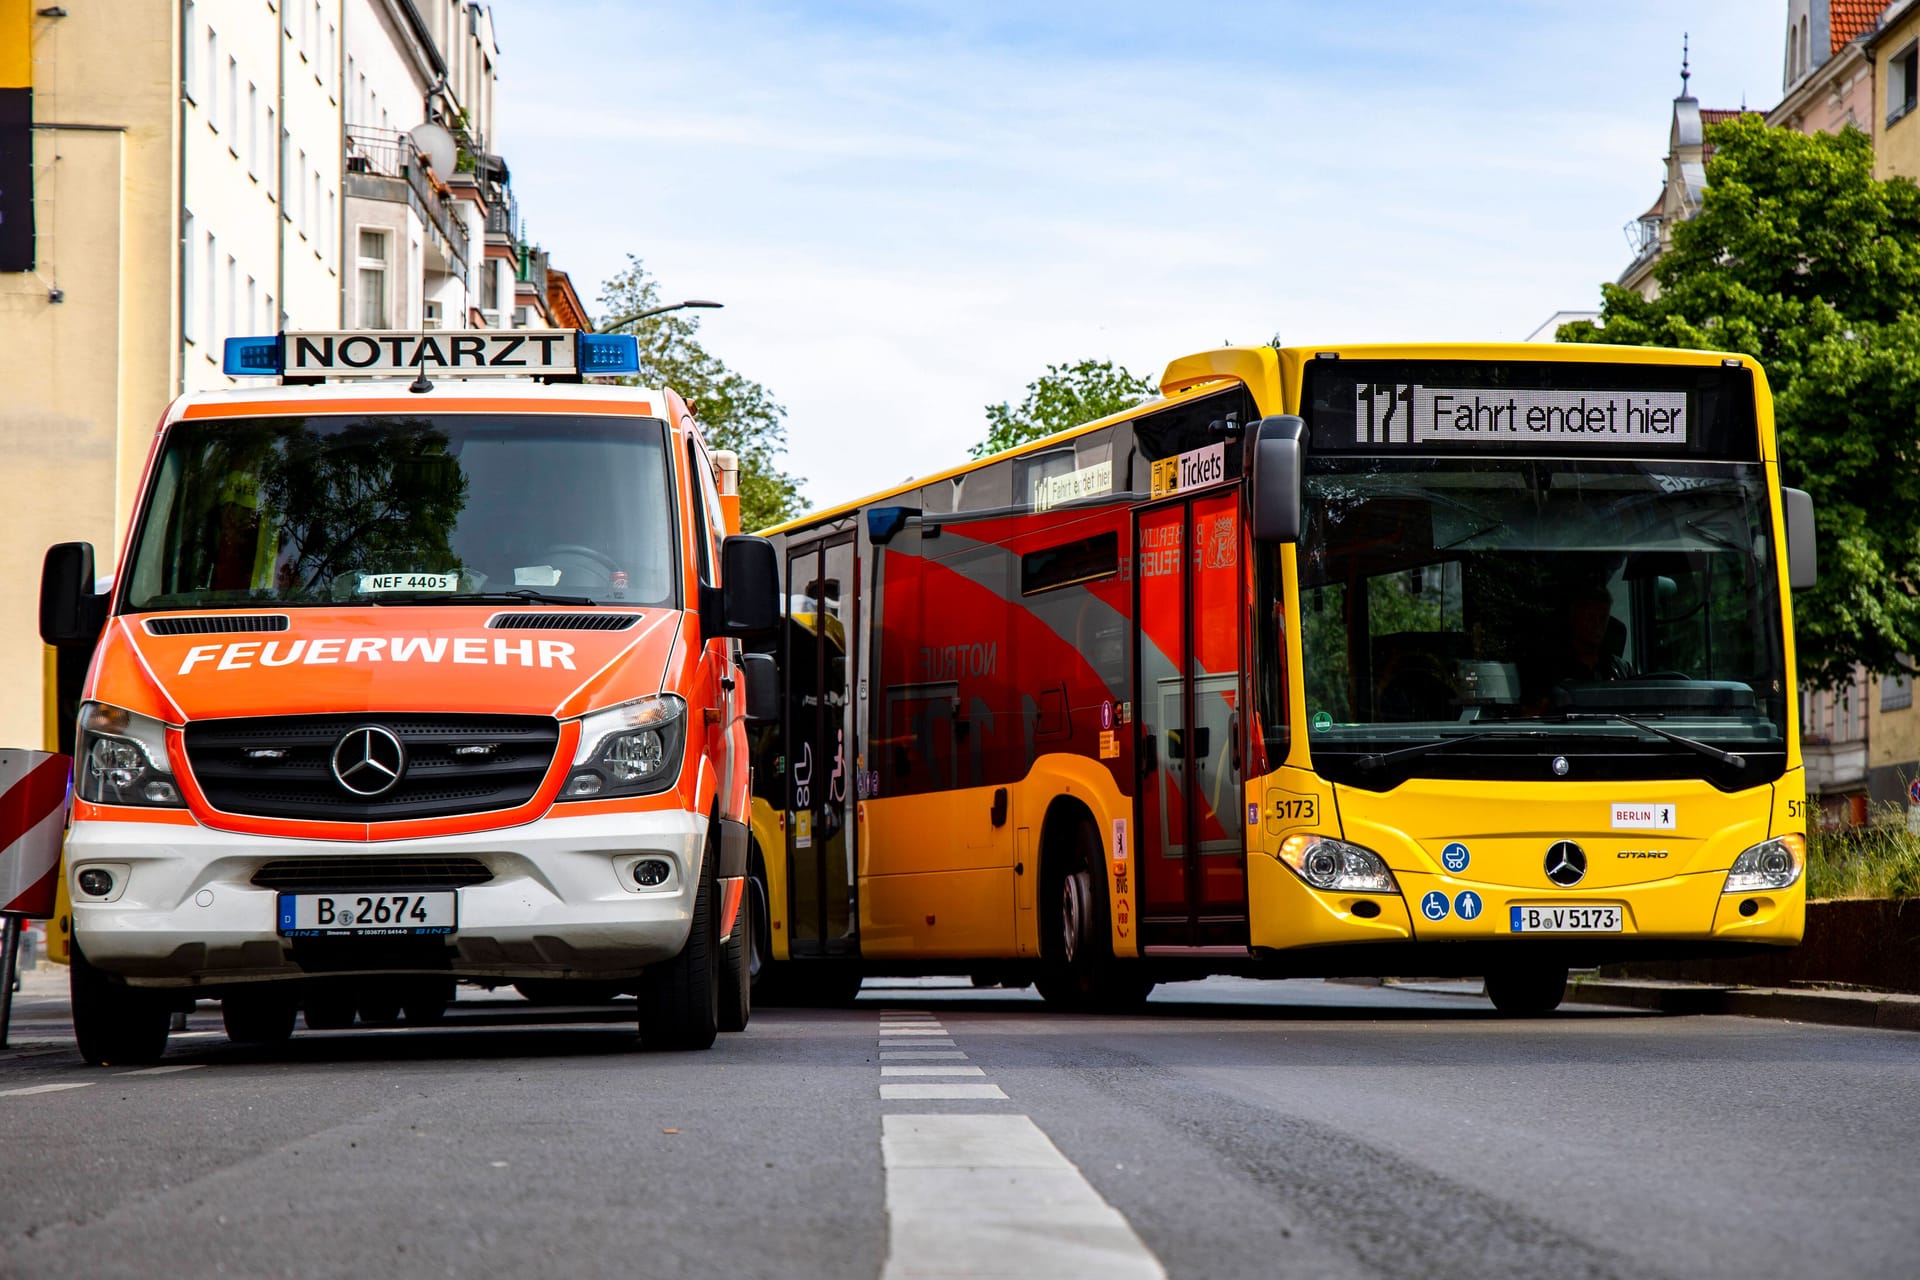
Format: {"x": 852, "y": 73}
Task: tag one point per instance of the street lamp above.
{"x": 624, "y": 321}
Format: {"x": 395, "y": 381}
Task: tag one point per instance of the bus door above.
{"x": 1191, "y": 842}
{"x": 821, "y": 795}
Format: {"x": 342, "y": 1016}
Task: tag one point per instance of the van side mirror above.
{"x": 70, "y": 611}
{"x": 1278, "y": 465}
{"x": 749, "y": 586}
{"x": 762, "y": 674}
{"x": 1803, "y": 564}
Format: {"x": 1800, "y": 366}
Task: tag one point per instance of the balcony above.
{"x": 380, "y": 159}
{"x": 531, "y": 269}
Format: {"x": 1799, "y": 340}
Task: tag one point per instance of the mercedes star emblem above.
{"x": 1566, "y": 864}
{"x": 369, "y": 760}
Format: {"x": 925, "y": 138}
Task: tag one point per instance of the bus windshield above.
{"x": 1533, "y": 610}
{"x": 411, "y": 508}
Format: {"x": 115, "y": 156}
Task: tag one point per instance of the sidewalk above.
{"x": 1883, "y": 1010}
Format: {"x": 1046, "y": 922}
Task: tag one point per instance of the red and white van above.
{"x": 412, "y": 672}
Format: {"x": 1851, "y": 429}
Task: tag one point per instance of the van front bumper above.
{"x": 560, "y": 901}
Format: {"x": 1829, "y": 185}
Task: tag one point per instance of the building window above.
{"x": 300, "y": 181}
{"x": 1896, "y": 691}
{"x": 209, "y": 303}
{"x": 373, "y": 279}
{"x": 233, "y": 297}
{"x": 253, "y": 131}
{"x": 1903, "y": 82}
{"x": 190, "y": 43}
{"x": 189, "y": 282}
{"x": 233, "y": 104}
{"x": 213, "y": 79}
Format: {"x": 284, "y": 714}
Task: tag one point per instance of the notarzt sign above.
{"x": 462, "y": 353}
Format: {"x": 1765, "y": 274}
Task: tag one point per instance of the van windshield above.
{"x": 346, "y": 509}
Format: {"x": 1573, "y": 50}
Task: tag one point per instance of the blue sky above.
{"x": 911, "y": 209}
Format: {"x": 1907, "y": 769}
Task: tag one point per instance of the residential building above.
{"x": 1827, "y": 80}
{"x": 204, "y": 169}
{"x": 1651, "y": 233}
{"x": 1893, "y": 52}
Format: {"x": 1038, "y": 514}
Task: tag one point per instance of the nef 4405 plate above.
{"x": 367, "y": 915}
{"x": 1602, "y": 919}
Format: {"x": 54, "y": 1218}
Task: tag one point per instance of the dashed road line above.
{"x": 931, "y": 1071}
{"x": 163, "y": 1071}
{"x": 44, "y": 1088}
{"x": 922, "y": 1055}
{"x": 990, "y": 1195}
{"x": 940, "y": 1089}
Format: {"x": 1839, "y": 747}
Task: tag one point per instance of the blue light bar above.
{"x": 252, "y": 357}
{"x": 601, "y": 354}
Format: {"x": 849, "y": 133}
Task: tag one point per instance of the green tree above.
{"x": 734, "y": 411}
{"x": 1800, "y": 258}
{"x": 1066, "y": 395}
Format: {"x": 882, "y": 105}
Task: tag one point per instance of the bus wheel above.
{"x": 738, "y": 959}
{"x": 116, "y": 1025}
{"x": 1528, "y": 992}
{"x": 680, "y": 998}
{"x": 1081, "y": 971}
{"x": 258, "y": 1017}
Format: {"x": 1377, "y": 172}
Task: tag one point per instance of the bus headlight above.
{"x": 121, "y": 758}
{"x": 1775, "y": 864}
{"x": 628, "y": 750}
{"x": 1337, "y": 866}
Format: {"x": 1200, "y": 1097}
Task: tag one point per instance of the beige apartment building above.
{"x": 206, "y": 169}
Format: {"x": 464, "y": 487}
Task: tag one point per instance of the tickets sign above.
{"x": 1190, "y": 470}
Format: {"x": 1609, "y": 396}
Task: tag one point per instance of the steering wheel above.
{"x": 584, "y": 552}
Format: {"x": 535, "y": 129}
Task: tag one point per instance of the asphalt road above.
{"x": 1236, "y": 1129}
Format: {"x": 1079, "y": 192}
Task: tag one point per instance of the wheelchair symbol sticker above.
{"x": 1434, "y": 905}
{"x": 1467, "y": 904}
{"x": 1455, "y": 857}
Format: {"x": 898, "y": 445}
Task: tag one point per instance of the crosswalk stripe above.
{"x": 939, "y": 1089}
{"x": 991, "y": 1195}
{"x": 44, "y": 1088}
{"x": 931, "y": 1071}
{"x": 919, "y": 1055}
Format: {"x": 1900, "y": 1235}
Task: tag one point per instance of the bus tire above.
{"x": 738, "y": 957}
{"x": 680, "y": 998}
{"x": 115, "y": 1025}
{"x": 259, "y": 1017}
{"x": 1529, "y": 992}
{"x": 1080, "y": 970}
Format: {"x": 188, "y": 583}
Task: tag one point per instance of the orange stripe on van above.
{"x": 452, "y": 404}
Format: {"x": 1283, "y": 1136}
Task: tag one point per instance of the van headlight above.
{"x": 1773, "y": 864}
{"x": 1336, "y": 866}
{"x": 120, "y": 757}
{"x": 629, "y": 750}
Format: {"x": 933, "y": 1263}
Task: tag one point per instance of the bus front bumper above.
{"x": 560, "y": 901}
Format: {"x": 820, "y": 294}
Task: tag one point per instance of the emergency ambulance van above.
{"x": 422, "y": 665}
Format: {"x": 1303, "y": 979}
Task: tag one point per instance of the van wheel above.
{"x": 329, "y": 1009}
{"x": 116, "y": 1025}
{"x": 1528, "y": 992}
{"x": 258, "y": 1017}
{"x": 1081, "y": 971}
{"x": 425, "y": 1003}
{"x": 739, "y": 957}
{"x": 680, "y": 998}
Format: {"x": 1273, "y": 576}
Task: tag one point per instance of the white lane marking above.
{"x": 917, "y": 1044}
{"x": 940, "y": 1089}
{"x": 44, "y": 1088}
{"x": 990, "y": 1195}
{"x": 905, "y": 1013}
{"x": 921, "y": 1055}
{"x": 163, "y": 1071}
{"x": 931, "y": 1071}
{"x": 912, "y": 1029}
{"x": 919, "y": 1024}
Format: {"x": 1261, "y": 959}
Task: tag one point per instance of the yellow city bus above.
{"x": 1356, "y": 660}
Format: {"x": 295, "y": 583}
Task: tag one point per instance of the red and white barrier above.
{"x": 33, "y": 817}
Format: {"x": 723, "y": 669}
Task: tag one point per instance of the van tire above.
{"x": 737, "y": 963}
{"x": 1529, "y": 992}
{"x": 115, "y": 1025}
{"x": 680, "y": 998}
{"x": 258, "y": 1017}
{"x": 1080, "y": 970}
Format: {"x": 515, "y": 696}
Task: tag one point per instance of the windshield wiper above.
{"x": 1692, "y": 744}
{"x": 521, "y": 595}
{"x": 1418, "y": 749}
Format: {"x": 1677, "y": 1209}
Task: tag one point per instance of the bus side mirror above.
{"x": 749, "y": 586}
{"x": 1279, "y": 461}
{"x": 763, "y": 687}
{"x": 70, "y": 611}
{"x": 1803, "y": 564}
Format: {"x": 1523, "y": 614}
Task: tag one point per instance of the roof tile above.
{"x": 1848, "y": 20}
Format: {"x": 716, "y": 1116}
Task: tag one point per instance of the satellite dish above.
{"x": 437, "y": 145}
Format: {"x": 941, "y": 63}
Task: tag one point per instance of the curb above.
{"x": 1879, "y": 1010}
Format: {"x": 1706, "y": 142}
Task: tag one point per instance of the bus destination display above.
{"x": 1411, "y": 413}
